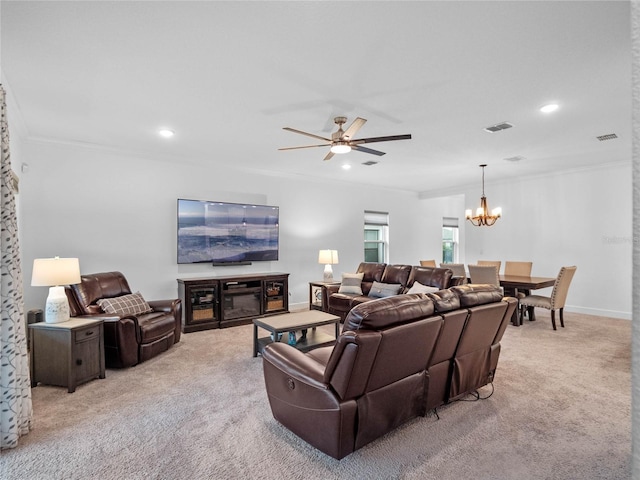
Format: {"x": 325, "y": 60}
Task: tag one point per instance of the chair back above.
{"x": 428, "y": 263}
{"x": 484, "y": 274}
{"x": 92, "y": 287}
{"x": 457, "y": 269}
{"x": 561, "y": 287}
{"x": 496, "y": 263}
{"x": 522, "y": 269}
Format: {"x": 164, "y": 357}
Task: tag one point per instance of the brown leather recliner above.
{"x": 395, "y": 358}
{"x": 128, "y": 339}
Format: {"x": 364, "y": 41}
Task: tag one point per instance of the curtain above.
{"x": 15, "y": 384}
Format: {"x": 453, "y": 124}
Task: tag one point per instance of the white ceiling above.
{"x": 228, "y": 76}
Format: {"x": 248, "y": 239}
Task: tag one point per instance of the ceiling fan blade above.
{"x": 380, "y": 139}
{"x": 329, "y": 155}
{"x": 307, "y": 134}
{"x": 367, "y": 150}
{"x": 305, "y": 146}
{"x": 353, "y": 128}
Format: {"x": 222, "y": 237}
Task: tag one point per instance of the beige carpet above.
{"x": 561, "y": 410}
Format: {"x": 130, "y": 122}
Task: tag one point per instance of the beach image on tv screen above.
{"x": 226, "y": 232}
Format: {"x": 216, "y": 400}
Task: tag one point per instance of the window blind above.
{"x": 376, "y": 218}
{"x": 450, "y": 222}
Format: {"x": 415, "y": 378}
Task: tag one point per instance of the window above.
{"x": 449, "y": 240}
{"x": 376, "y": 237}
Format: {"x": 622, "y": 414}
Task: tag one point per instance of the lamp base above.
{"x": 328, "y": 273}
{"x": 57, "y": 306}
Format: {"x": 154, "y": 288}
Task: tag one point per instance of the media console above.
{"x": 226, "y": 301}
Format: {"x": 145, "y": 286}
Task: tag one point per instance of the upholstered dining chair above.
{"x": 521, "y": 269}
{"x": 458, "y": 270}
{"x": 484, "y": 274}
{"x": 557, "y": 299}
{"x": 428, "y": 263}
{"x": 497, "y": 263}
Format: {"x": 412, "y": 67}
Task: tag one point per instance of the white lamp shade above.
{"x": 49, "y": 272}
{"x": 328, "y": 257}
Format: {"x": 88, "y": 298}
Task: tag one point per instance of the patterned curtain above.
{"x": 15, "y": 385}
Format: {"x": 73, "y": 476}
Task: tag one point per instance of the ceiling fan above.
{"x": 342, "y": 141}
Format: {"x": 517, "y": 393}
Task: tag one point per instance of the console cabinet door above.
{"x": 276, "y": 295}
{"x": 200, "y": 306}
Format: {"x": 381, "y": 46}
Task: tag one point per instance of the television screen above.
{"x": 221, "y": 232}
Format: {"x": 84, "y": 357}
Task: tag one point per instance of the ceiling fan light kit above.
{"x": 342, "y": 141}
{"x": 340, "y": 147}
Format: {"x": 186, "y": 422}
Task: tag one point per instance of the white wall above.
{"x": 118, "y": 212}
{"x": 580, "y": 218}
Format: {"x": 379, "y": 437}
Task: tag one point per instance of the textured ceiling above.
{"x": 227, "y": 76}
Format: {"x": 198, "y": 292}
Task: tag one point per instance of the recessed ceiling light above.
{"x": 346, "y": 166}
{"x": 551, "y": 107}
{"x": 166, "y": 133}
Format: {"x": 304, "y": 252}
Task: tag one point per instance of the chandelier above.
{"x": 482, "y": 216}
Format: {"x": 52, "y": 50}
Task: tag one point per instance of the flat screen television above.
{"x": 226, "y": 233}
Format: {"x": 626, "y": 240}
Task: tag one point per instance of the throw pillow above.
{"x": 417, "y": 287}
{"x": 133, "y": 304}
{"x": 381, "y": 290}
{"x": 351, "y": 283}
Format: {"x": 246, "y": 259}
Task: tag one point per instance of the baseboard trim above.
{"x": 599, "y": 312}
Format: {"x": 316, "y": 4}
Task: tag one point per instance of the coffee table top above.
{"x": 296, "y": 320}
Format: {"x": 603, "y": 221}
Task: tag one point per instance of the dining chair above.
{"x": 497, "y": 263}
{"x": 458, "y": 270}
{"x": 428, "y": 263}
{"x": 557, "y": 299}
{"x": 521, "y": 269}
{"x": 484, "y": 274}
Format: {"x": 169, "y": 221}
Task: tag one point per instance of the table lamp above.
{"x": 55, "y": 273}
{"x": 328, "y": 258}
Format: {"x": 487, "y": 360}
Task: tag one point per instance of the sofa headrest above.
{"x": 372, "y": 271}
{"x": 389, "y": 311}
{"x": 477, "y": 294}
{"x": 431, "y": 277}
{"x": 445, "y": 300}
{"x": 396, "y": 274}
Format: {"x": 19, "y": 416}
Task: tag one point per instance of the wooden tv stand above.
{"x": 229, "y": 300}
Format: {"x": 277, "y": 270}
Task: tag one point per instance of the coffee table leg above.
{"x": 255, "y": 340}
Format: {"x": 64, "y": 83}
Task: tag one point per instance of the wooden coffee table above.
{"x": 292, "y": 322}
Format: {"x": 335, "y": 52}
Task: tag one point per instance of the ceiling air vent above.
{"x": 369, "y": 163}
{"x": 497, "y": 127}
{"x": 609, "y": 136}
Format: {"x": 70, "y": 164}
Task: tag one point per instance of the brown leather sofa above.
{"x": 128, "y": 339}
{"x": 405, "y": 275}
{"x": 396, "y": 358}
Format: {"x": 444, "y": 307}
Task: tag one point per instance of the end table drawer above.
{"x": 86, "y": 334}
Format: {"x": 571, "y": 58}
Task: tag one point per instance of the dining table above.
{"x": 522, "y": 283}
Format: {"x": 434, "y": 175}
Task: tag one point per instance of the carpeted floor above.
{"x": 561, "y": 410}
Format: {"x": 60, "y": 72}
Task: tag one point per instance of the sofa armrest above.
{"x": 457, "y": 280}
{"x": 163, "y": 305}
{"x": 173, "y": 306}
{"x": 295, "y": 364}
{"x": 329, "y": 289}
